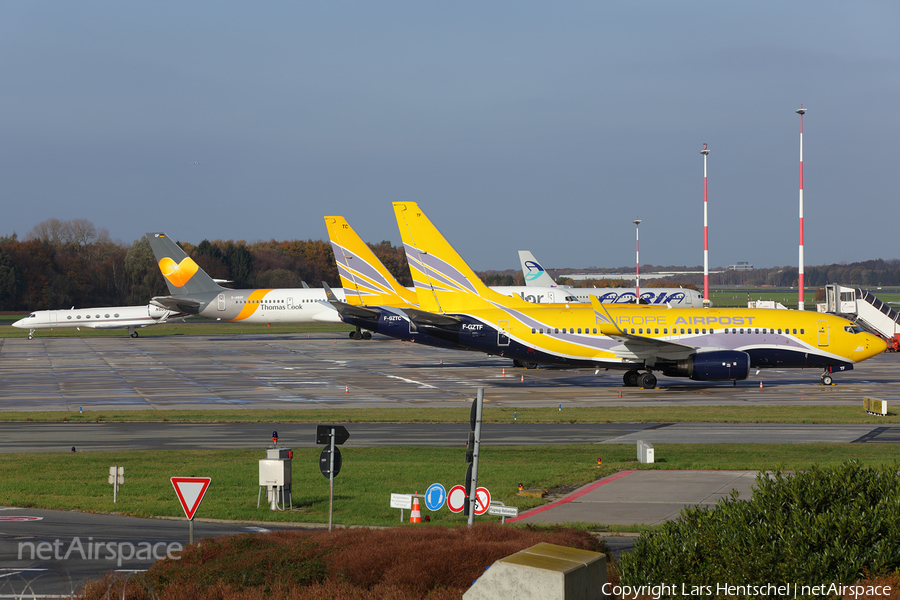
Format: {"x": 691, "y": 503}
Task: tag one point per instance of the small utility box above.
{"x": 275, "y": 476}
{"x": 645, "y": 452}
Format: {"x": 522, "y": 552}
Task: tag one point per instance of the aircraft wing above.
{"x": 181, "y": 305}
{"x": 637, "y": 347}
{"x": 120, "y": 324}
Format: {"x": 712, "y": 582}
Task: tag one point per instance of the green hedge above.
{"x": 819, "y": 526}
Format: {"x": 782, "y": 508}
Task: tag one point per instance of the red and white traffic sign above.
{"x": 482, "y": 501}
{"x": 456, "y": 499}
{"x": 190, "y": 492}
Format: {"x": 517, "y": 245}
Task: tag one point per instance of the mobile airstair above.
{"x": 865, "y": 309}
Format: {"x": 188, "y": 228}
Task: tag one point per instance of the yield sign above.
{"x": 190, "y": 492}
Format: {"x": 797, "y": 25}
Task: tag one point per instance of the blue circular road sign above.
{"x": 435, "y": 496}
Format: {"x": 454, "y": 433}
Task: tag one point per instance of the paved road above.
{"x": 90, "y": 437}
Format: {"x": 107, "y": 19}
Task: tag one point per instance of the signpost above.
{"x": 435, "y": 496}
{"x": 482, "y": 501}
{"x": 190, "y": 492}
{"x": 116, "y": 476}
{"x": 472, "y": 455}
{"x": 331, "y": 435}
{"x": 457, "y": 498}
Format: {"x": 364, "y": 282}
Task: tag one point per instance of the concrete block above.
{"x": 543, "y": 572}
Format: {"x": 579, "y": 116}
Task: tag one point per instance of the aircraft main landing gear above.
{"x": 635, "y": 378}
{"x": 359, "y": 334}
{"x": 827, "y": 379}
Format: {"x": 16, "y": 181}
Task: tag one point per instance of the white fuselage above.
{"x": 105, "y": 317}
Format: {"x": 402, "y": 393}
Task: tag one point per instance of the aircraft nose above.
{"x": 19, "y": 324}
{"x": 874, "y": 346}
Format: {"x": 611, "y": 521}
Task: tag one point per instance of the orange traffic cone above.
{"x": 620, "y": 393}
{"x": 760, "y": 385}
{"x": 522, "y": 380}
{"x": 416, "y": 515}
{"x": 346, "y": 389}
{"x": 504, "y": 371}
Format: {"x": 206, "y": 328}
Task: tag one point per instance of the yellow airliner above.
{"x": 703, "y": 344}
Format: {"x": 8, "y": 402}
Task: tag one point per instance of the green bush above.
{"x": 830, "y": 525}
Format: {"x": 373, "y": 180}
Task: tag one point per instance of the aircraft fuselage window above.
{"x": 595, "y": 330}
{"x": 795, "y": 332}
{"x": 742, "y": 330}
{"x": 78, "y": 317}
{"x": 116, "y": 315}
{"x": 106, "y": 316}
{"x": 69, "y": 317}
{"x": 802, "y": 332}
{"x": 579, "y": 330}
{"x": 682, "y": 332}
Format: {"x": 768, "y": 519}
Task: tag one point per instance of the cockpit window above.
{"x": 853, "y": 329}
{"x": 31, "y": 316}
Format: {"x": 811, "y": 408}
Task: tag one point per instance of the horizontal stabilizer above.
{"x": 181, "y": 305}
{"x": 422, "y": 317}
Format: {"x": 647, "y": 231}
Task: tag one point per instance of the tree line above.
{"x": 60, "y": 264}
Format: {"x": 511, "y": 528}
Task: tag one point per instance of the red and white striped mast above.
{"x": 705, "y": 152}
{"x": 800, "y": 111}
{"x": 637, "y": 269}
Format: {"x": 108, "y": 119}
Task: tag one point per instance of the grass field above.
{"x": 369, "y": 475}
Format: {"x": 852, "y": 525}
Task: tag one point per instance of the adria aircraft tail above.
{"x": 364, "y": 278}
{"x": 444, "y": 282}
{"x": 182, "y": 274}
{"x": 534, "y": 273}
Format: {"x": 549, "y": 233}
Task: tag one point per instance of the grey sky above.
{"x": 515, "y": 125}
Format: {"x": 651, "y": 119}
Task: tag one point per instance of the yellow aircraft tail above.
{"x": 365, "y": 279}
{"x": 444, "y": 282}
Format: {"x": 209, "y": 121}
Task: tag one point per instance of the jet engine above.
{"x": 719, "y": 365}
{"x": 156, "y": 312}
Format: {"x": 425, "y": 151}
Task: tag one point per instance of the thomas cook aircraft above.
{"x": 535, "y": 275}
{"x": 195, "y": 293}
{"x": 105, "y": 317}
{"x": 702, "y": 344}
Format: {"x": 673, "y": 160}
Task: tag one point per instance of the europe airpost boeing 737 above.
{"x": 375, "y": 300}
{"x": 703, "y": 344}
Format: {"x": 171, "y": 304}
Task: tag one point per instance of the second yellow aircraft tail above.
{"x": 444, "y": 282}
{"x": 365, "y": 279}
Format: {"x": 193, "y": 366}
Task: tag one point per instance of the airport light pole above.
{"x": 705, "y": 152}
{"x": 800, "y": 304}
{"x": 637, "y": 269}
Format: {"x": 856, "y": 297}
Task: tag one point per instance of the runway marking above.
{"x": 419, "y": 383}
{"x": 16, "y": 572}
{"x": 571, "y": 497}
